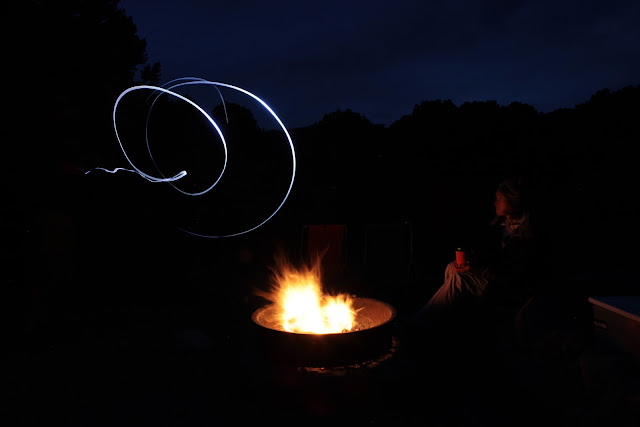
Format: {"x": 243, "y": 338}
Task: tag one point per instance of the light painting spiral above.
{"x": 168, "y": 89}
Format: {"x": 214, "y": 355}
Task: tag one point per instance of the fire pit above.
{"x": 309, "y": 327}
{"x": 370, "y": 336}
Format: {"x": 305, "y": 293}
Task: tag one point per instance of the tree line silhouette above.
{"x": 437, "y": 164}
{"x": 435, "y": 168}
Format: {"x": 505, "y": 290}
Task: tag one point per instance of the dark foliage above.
{"x": 435, "y": 168}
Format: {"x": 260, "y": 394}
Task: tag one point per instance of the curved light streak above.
{"x": 284, "y": 129}
{"x": 169, "y": 86}
{"x": 167, "y": 89}
{"x": 173, "y": 178}
{"x": 197, "y": 107}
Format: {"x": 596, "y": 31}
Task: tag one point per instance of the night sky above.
{"x": 116, "y": 306}
{"x": 380, "y": 58}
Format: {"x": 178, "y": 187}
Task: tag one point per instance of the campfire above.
{"x": 301, "y": 305}
{"x": 306, "y": 324}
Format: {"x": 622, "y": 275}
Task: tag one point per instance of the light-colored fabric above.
{"x": 456, "y": 287}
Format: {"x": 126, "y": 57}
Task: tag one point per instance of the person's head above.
{"x": 511, "y": 197}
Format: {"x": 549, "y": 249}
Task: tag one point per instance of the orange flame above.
{"x": 303, "y": 306}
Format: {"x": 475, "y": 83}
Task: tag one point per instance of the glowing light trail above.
{"x": 197, "y": 107}
{"x": 173, "y": 178}
{"x": 168, "y": 89}
{"x": 168, "y": 86}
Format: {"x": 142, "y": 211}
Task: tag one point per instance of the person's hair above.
{"x": 514, "y": 189}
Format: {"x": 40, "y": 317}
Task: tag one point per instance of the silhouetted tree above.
{"x": 71, "y": 60}
{"x": 236, "y": 119}
{"x": 67, "y": 61}
{"x": 340, "y": 161}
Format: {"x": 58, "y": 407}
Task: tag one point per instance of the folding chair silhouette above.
{"x": 326, "y": 241}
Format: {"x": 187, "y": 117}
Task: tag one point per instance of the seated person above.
{"x": 503, "y": 266}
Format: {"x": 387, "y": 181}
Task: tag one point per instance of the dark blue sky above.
{"x": 380, "y": 58}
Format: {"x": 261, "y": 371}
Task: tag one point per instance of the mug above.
{"x": 461, "y": 257}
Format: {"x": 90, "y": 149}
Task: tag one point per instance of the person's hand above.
{"x": 472, "y": 268}
{"x": 462, "y": 268}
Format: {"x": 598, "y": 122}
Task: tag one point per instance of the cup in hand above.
{"x": 461, "y": 257}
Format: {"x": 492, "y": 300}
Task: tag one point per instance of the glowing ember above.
{"x": 301, "y": 304}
